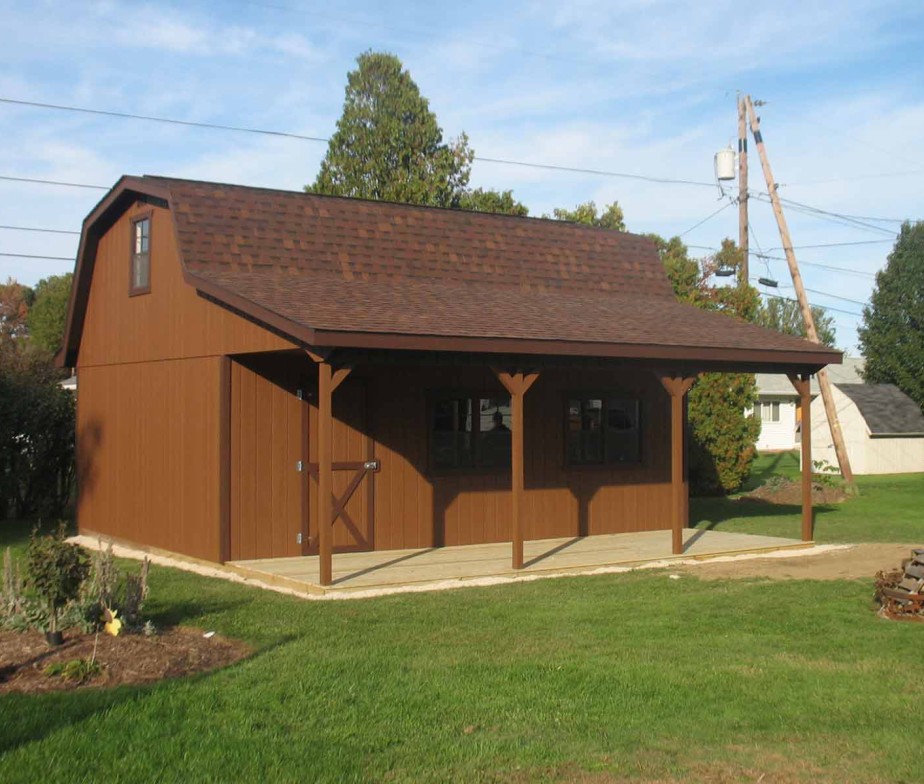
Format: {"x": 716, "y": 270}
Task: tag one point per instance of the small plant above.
{"x": 56, "y": 570}
{"x": 113, "y": 598}
{"x": 74, "y": 670}
{"x": 823, "y": 473}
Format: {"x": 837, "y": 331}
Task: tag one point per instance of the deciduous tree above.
{"x": 892, "y": 332}
{"x": 492, "y": 201}
{"x": 610, "y": 218}
{"x": 49, "y": 311}
{"x": 785, "y": 316}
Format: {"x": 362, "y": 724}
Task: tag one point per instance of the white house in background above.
{"x": 883, "y": 429}
{"x": 70, "y": 384}
{"x": 777, "y": 404}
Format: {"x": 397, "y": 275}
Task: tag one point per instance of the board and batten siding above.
{"x": 417, "y": 507}
{"x": 148, "y": 422}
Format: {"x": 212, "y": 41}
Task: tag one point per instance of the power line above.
{"x": 846, "y": 220}
{"x": 833, "y": 244}
{"x": 820, "y": 265}
{"x": 835, "y": 296}
{"x": 707, "y": 218}
{"x": 167, "y": 120}
{"x": 43, "y": 231}
{"x": 53, "y": 182}
{"x": 301, "y": 137}
{"x": 34, "y": 256}
{"x": 823, "y": 307}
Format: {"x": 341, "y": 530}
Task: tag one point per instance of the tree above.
{"x": 892, "y": 332}
{"x": 785, "y": 316}
{"x": 610, "y": 218}
{"x": 492, "y": 201}
{"x": 36, "y": 418}
{"x": 47, "y": 316}
{"x": 15, "y": 300}
{"x": 683, "y": 272}
{"x": 388, "y": 144}
{"x": 722, "y": 443}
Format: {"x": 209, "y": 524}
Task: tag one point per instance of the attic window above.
{"x": 140, "y": 282}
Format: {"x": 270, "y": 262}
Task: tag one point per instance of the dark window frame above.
{"x": 133, "y": 290}
{"x": 434, "y": 396}
{"x": 604, "y": 396}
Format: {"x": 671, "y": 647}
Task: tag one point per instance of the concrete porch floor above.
{"x": 392, "y": 569}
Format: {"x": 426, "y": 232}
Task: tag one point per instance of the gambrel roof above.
{"x": 328, "y": 271}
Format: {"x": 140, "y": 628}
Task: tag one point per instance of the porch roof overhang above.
{"x": 538, "y": 327}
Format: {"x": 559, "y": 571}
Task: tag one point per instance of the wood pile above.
{"x": 902, "y": 592}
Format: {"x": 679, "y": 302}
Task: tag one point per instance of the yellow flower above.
{"x": 113, "y": 625}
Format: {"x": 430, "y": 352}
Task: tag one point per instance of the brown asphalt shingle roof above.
{"x": 355, "y": 266}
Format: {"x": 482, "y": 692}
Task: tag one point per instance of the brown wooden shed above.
{"x": 253, "y": 362}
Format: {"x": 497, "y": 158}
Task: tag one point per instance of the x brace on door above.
{"x": 339, "y": 504}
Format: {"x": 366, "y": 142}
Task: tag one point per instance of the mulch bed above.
{"x": 126, "y": 659}
{"x": 790, "y": 493}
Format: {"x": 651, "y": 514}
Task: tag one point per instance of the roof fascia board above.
{"x": 809, "y": 361}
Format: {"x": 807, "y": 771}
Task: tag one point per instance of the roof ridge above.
{"x": 403, "y": 205}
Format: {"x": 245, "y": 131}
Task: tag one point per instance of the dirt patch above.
{"x": 858, "y": 562}
{"x": 126, "y": 659}
{"x": 790, "y": 493}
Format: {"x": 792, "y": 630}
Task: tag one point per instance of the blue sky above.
{"x": 640, "y": 87}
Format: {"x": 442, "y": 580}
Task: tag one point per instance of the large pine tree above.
{"x": 892, "y": 333}
{"x": 388, "y": 144}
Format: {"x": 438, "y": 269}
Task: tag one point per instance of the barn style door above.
{"x": 354, "y": 473}
{"x": 268, "y": 441}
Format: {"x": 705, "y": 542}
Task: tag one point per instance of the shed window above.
{"x": 602, "y": 430}
{"x": 470, "y": 432}
{"x": 141, "y": 256}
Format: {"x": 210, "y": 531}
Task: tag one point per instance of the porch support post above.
{"x": 677, "y": 387}
{"x": 802, "y": 385}
{"x": 328, "y": 380}
{"x": 517, "y": 385}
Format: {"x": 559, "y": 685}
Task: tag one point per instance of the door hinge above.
{"x": 299, "y": 465}
{"x": 298, "y": 539}
{"x": 300, "y": 394}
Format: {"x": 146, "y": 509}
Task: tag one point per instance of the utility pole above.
{"x": 824, "y": 384}
{"x": 743, "y": 190}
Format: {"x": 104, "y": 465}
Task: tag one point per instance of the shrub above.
{"x": 56, "y": 570}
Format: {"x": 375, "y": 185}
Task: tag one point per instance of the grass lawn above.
{"x": 889, "y": 508}
{"x": 622, "y": 677}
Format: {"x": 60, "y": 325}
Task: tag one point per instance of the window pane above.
{"x": 452, "y": 433}
{"x": 141, "y": 271}
{"x": 494, "y": 432}
{"x": 585, "y": 431}
{"x": 775, "y": 415}
{"x": 622, "y": 434}
{"x": 142, "y": 235}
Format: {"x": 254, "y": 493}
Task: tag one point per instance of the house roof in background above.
{"x": 846, "y": 373}
{"x": 886, "y": 409}
{"x": 331, "y": 271}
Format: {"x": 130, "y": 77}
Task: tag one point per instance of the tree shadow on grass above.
{"x": 710, "y": 513}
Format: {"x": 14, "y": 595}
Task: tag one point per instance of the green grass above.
{"x": 889, "y": 508}
{"x": 624, "y": 677}
{"x": 634, "y": 677}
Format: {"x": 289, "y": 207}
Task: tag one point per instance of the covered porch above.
{"x": 442, "y": 567}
